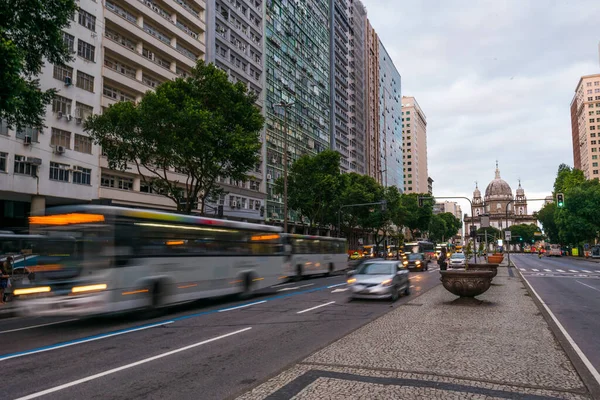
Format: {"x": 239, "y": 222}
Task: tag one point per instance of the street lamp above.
{"x": 285, "y": 105}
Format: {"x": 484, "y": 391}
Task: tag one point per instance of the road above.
{"x": 571, "y": 289}
{"x": 208, "y": 350}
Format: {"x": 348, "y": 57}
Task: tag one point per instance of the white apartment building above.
{"x": 414, "y": 132}
{"x": 235, "y": 43}
{"x": 57, "y": 164}
{"x": 585, "y": 126}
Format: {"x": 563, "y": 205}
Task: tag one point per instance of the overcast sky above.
{"x": 495, "y": 80}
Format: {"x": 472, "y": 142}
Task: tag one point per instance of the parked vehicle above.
{"x": 379, "y": 279}
{"x": 457, "y": 260}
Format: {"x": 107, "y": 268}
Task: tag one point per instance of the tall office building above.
{"x": 585, "y": 125}
{"x": 414, "y": 147}
{"x": 297, "y": 66}
{"x": 235, "y": 43}
{"x": 373, "y": 147}
{"x": 357, "y": 87}
{"x": 59, "y": 163}
{"x": 339, "y": 76}
{"x": 390, "y": 121}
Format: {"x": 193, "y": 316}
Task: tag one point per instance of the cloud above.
{"x": 495, "y": 80}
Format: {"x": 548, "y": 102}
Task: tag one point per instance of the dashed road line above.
{"x": 572, "y": 270}
{"x": 315, "y": 307}
{"x": 38, "y": 326}
{"x": 559, "y": 270}
{"x": 242, "y": 306}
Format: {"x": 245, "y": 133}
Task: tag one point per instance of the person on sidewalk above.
{"x": 4, "y": 277}
{"x": 442, "y": 260}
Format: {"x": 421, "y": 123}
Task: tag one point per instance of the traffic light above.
{"x": 532, "y": 240}
{"x": 520, "y": 239}
{"x": 560, "y": 199}
{"x": 420, "y": 202}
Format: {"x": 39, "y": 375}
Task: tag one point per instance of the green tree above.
{"x": 567, "y": 178}
{"x": 416, "y": 218}
{"x": 547, "y": 217}
{"x": 30, "y": 31}
{"x": 524, "y": 231}
{"x": 453, "y": 224}
{"x": 579, "y": 221}
{"x": 437, "y": 228}
{"x": 314, "y": 184}
{"x": 358, "y": 189}
{"x": 202, "y": 127}
{"x": 492, "y": 233}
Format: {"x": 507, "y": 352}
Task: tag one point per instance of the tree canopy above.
{"x": 30, "y": 31}
{"x": 184, "y": 136}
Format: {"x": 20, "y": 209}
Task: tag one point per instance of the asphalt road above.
{"x": 571, "y": 289}
{"x": 207, "y": 350}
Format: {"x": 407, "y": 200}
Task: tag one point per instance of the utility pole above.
{"x": 286, "y": 106}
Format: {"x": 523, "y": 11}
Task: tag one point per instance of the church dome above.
{"x": 498, "y": 189}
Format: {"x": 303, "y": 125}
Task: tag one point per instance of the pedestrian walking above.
{"x": 442, "y": 259}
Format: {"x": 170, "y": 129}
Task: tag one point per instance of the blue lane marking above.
{"x": 154, "y": 324}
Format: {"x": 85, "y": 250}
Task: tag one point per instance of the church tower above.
{"x": 520, "y": 201}
{"x": 477, "y": 202}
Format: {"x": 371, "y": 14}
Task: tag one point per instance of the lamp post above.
{"x": 286, "y": 106}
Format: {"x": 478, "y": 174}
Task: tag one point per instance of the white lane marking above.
{"x": 585, "y": 270}
{"x": 38, "y": 326}
{"x": 339, "y": 290}
{"x": 560, "y": 270}
{"x": 591, "y": 287}
{"x": 573, "y": 270}
{"x": 536, "y": 270}
{"x": 314, "y": 308}
{"x": 433, "y": 270}
{"x": 412, "y": 285}
{"x": 295, "y": 287}
{"x": 339, "y": 284}
{"x": 244, "y": 306}
{"x": 547, "y": 270}
{"x": 580, "y": 353}
{"x": 522, "y": 269}
{"x": 135, "y": 364}
{"x": 84, "y": 341}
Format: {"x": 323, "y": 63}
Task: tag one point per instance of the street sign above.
{"x": 499, "y": 242}
{"x": 507, "y": 235}
{"x": 485, "y": 221}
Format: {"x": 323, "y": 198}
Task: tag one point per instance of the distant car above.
{"x": 379, "y": 279}
{"x": 355, "y": 256}
{"x": 457, "y": 260}
{"x": 417, "y": 262}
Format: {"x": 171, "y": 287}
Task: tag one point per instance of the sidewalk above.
{"x": 436, "y": 347}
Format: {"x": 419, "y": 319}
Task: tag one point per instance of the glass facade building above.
{"x": 297, "y": 49}
{"x": 390, "y": 121}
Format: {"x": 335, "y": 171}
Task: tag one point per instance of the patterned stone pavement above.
{"x": 437, "y": 347}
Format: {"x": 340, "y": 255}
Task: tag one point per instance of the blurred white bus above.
{"x": 130, "y": 259}
{"x": 316, "y": 255}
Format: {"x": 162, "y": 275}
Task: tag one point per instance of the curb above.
{"x": 585, "y": 370}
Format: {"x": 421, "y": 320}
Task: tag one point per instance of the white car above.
{"x": 457, "y": 260}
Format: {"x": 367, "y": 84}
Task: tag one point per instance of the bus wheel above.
{"x": 298, "y": 276}
{"x": 246, "y": 292}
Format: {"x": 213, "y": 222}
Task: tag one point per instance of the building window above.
{"x": 61, "y": 72}
{"x": 83, "y": 144}
{"x": 82, "y": 176}
{"x": 61, "y": 104}
{"x": 594, "y": 164}
{"x": 60, "y": 138}
{"x": 83, "y": 110}
{"x": 25, "y": 168}
{"x": 88, "y": 20}
{"x": 117, "y": 182}
{"x": 3, "y": 127}
{"x": 85, "y": 81}
{"x": 3, "y": 161}
{"x": 59, "y": 172}
{"x": 69, "y": 41}
{"x": 28, "y": 131}
{"x": 595, "y": 172}
{"x": 86, "y": 50}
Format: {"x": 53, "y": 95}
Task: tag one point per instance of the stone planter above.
{"x": 466, "y": 283}
{"x": 483, "y": 267}
{"x": 495, "y": 258}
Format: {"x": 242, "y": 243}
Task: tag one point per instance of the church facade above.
{"x": 497, "y": 201}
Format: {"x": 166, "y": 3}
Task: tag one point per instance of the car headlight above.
{"x": 351, "y": 281}
{"x": 405, "y": 262}
{"x": 418, "y": 262}
{"x": 387, "y": 282}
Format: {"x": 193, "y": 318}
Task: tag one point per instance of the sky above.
{"x": 495, "y": 80}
